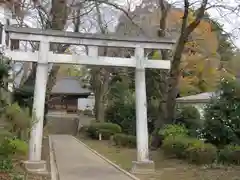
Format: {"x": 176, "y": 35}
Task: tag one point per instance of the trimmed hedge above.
{"x": 194, "y": 150}
{"x": 230, "y": 155}
{"x": 176, "y": 146}
{"x": 125, "y": 140}
{"x": 106, "y": 129}
{"x": 201, "y": 153}
{"x": 21, "y": 147}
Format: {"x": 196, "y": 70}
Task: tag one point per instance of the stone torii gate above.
{"x": 44, "y": 56}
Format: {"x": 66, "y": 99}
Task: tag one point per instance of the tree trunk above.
{"x": 100, "y": 107}
{"x": 100, "y": 85}
{"x": 186, "y": 30}
{"x": 162, "y": 109}
{"x": 173, "y": 81}
{"x": 170, "y": 92}
{"x": 100, "y": 76}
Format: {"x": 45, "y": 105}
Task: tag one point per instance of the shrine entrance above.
{"x": 43, "y": 57}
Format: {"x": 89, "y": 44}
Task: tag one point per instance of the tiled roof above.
{"x": 65, "y": 85}
{"x": 198, "y": 98}
{"x": 69, "y": 85}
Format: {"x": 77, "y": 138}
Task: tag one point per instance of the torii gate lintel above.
{"x": 43, "y": 57}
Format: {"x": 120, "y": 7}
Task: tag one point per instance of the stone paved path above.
{"x": 76, "y": 162}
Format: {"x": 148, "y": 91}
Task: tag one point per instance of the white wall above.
{"x": 86, "y": 103}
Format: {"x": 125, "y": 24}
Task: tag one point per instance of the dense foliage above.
{"x": 230, "y": 154}
{"x": 189, "y": 116}
{"x": 121, "y": 109}
{"x": 18, "y": 120}
{"x": 173, "y": 130}
{"x": 15, "y": 125}
{"x": 191, "y": 149}
{"x": 222, "y": 115}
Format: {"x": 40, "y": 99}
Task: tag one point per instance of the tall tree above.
{"x": 194, "y": 34}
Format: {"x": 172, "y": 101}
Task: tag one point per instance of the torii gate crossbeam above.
{"x": 43, "y": 57}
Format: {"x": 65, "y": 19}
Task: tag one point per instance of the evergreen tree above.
{"x": 222, "y": 115}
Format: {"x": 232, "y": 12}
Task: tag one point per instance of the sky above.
{"x": 230, "y": 21}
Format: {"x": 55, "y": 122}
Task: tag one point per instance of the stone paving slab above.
{"x": 76, "y": 162}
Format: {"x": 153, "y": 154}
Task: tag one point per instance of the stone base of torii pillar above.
{"x": 143, "y": 167}
{"x": 35, "y": 166}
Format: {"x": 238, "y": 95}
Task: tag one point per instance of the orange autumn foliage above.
{"x": 203, "y": 39}
{"x": 200, "y": 60}
{"x": 199, "y": 74}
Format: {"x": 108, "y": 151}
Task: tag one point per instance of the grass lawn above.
{"x": 166, "y": 169}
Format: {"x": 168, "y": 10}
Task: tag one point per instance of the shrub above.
{"x": 192, "y": 149}
{"x": 189, "y": 116}
{"x": 6, "y": 149}
{"x": 92, "y": 132}
{"x": 121, "y": 107}
{"x": 107, "y": 129}
{"x": 18, "y": 118}
{"x": 222, "y": 124}
{"x": 21, "y": 147}
{"x": 176, "y": 146}
{"x": 201, "y": 153}
{"x": 173, "y": 130}
{"x": 230, "y": 154}
{"x": 6, "y": 165}
{"x": 125, "y": 140}
{"x": 5, "y": 134}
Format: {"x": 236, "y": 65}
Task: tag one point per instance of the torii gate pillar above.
{"x": 35, "y": 145}
{"x": 143, "y": 163}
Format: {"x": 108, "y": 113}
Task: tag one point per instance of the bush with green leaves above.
{"x": 124, "y": 140}
{"x": 175, "y": 146}
{"x": 18, "y": 119}
{"x": 189, "y": 116}
{"x": 21, "y": 147}
{"x": 191, "y": 149}
{"x": 123, "y": 114}
{"x": 230, "y": 154}
{"x": 222, "y": 115}
{"x": 121, "y": 107}
{"x": 199, "y": 152}
{"x": 6, "y": 165}
{"x": 173, "y": 130}
{"x": 106, "y": 129}
{"x": 5, "y": 134}
{"x": 7, "y": 150}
